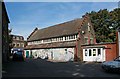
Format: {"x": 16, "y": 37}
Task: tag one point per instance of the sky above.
{"x": 26, "y": 16}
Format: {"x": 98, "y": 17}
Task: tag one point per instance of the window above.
{"x": 17, "y": 38}
{"x": 94, "y": 52}
{"x": 88, "y": 26}
{"x": 52, "y": 39}
{"x": 90, "y": 53}
{"x": 18, "y": 45}
{"x": 22, "y": 45}
{"x": 13, "y": 37}
{"x": 86, "y": 40}
{"x": 14, "y": 44}
{"x": 68, "y": 37}
{"x": 86, "y": 52}
{"x": 91, "y": 40}
{"x": 38, "y": 42}
{"x": 73, "y": 36}
{"x": 61, "y": 38}
{"x": 65, "y": 38}
{"x": 99, "y": 52}
{"x": 76, "y": 36}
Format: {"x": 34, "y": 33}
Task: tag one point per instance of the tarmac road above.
{"x": 43, "y": 68}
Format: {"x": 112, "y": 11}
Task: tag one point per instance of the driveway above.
{"x": 43, "y": 68}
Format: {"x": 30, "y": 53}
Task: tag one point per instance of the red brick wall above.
{"x": 111, "y": 52}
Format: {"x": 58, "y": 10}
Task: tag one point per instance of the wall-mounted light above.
{"x": 83, "y": 32}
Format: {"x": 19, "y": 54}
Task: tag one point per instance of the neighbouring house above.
{"x": 62, "y": 41}
{"x": 5, "y": 34}
{"x": 100, "y": 52}
{"x": 18, "y": 41}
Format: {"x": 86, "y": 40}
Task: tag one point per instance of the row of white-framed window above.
{"x": 18, "y": 44}
{"x": 57, "y": 39}
{"x": 17, "y": 38}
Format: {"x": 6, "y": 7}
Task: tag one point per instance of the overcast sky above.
{"x": 25, "y": 16}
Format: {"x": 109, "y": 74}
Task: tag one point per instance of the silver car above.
{"x": 112, "y": 66}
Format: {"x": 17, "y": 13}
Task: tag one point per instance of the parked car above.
{"x": 112, "y": 66}
{"x": 18, "y": 55}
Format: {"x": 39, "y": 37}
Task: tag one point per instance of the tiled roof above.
{"x": 17, "y": 35}
{"x": 67, "y": 28}
{"x": 52, "y": 45}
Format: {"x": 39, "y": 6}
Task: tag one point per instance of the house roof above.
{"x": 52, "y": 45}
{"x": 66, "y": 28}
{"x": 17, "y": 35}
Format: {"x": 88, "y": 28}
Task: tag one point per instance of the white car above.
{"x": 112, "y": 66}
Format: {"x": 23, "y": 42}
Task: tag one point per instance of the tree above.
{"x": 105, "y": 24}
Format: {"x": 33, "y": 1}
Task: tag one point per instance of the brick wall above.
{"x": 111, "y": 52}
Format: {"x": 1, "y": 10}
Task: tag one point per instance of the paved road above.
{"x": 43, "y": 68}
